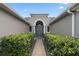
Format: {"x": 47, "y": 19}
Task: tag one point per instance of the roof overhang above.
{"x": 12, "y": 12}
{"x": 65, "y": 13}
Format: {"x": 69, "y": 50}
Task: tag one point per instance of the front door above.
{"x": 39, "y": 30}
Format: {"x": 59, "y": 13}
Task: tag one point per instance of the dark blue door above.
{"x": 39, "y": 29}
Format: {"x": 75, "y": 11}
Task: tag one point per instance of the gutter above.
{"x": 63, "y": 14}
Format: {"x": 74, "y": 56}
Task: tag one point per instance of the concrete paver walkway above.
{"x": 39, "y": 49}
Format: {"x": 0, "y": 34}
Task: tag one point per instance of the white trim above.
{"x": 37, "y": 21}
{"x": 34, "y": 29}
{"x": 44, "y": 28}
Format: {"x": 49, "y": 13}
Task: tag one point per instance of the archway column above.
{"x": 44, "y": 29}
{"x": 34, "y": 29}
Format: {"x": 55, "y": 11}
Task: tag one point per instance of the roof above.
{"x": 39, "y": 14}
{"x": 12, "y": 12}
{"x": 72, "y": 8}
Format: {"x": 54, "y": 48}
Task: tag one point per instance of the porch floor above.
{"x": 39, "y": 49}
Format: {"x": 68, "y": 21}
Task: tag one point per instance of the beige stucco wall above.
{"x": 64, "y": 26}
{"x": 77, "y": 24}
{"x": 11, "y": 25}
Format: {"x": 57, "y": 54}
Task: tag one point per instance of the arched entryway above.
{"x": 39, "y": 29}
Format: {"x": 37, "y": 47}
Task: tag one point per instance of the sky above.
{"x": 25, "y": 9}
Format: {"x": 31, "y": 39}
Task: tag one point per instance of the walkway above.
{"x": 39, "y": 49}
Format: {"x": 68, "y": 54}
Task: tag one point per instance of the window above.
{"x": 48, "y": 28}
{"x": 30, "y": 29}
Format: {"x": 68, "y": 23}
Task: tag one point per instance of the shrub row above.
{"x": 17, "y": 45}
{"x": 61, "y": 45}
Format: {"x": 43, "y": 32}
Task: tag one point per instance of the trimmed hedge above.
{"x": 61, "y": 45}
{"x": 17, "y": 45}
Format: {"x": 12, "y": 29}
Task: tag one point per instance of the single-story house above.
{"x": 67, "y": 23}
{"x": 11, "y": 22}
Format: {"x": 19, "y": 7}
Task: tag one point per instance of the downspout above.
{"x": 73, "y": 22}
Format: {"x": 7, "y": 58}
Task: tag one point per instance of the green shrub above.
{"x": 17, "y": 45}
{"x": 61, "y": 45}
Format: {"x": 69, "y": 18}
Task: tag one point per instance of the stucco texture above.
{"x": 63, "y": 26}
{"x": 11, "y": 25}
